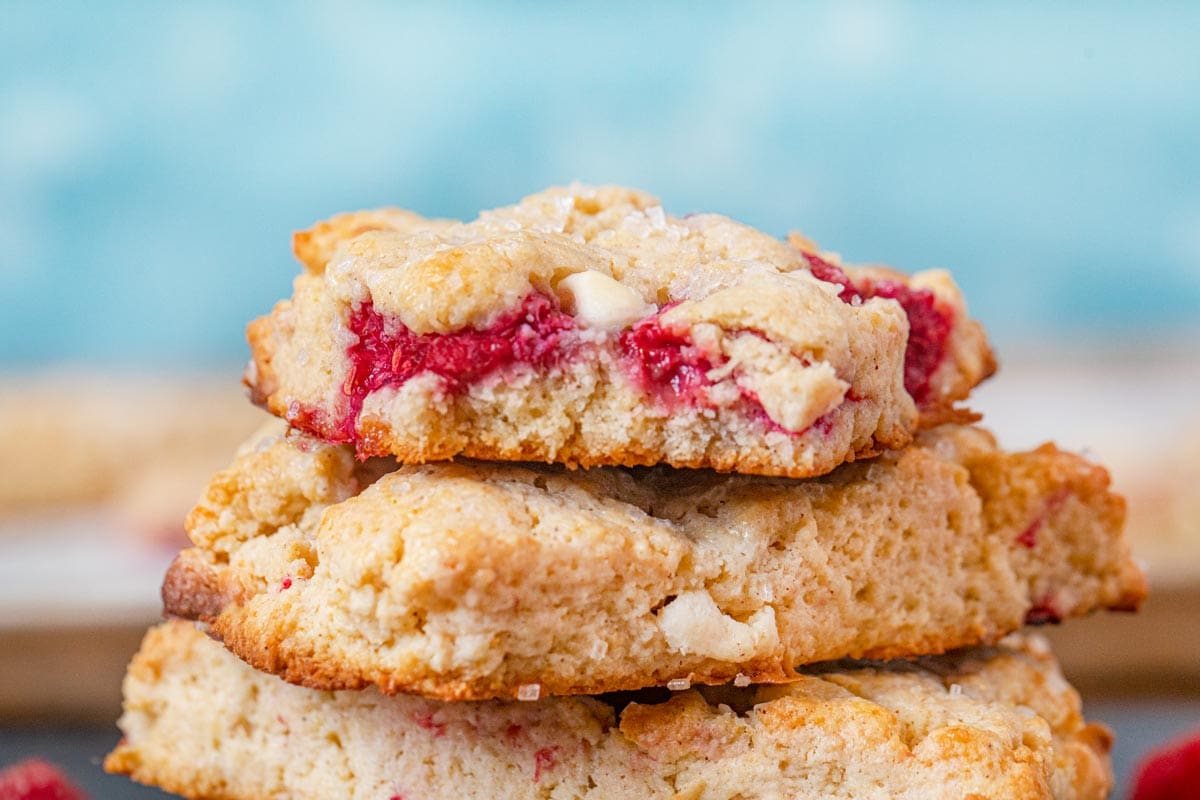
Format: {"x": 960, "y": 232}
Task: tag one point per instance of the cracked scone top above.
{"x": 990, "y": 724}
{"x": 588, "y": 327}
{"x": 471, "y": 580}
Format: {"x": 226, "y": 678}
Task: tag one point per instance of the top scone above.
{"x": 588, "y": 327}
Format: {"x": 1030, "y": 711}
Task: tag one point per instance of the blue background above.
{"x": 154, "y": 157}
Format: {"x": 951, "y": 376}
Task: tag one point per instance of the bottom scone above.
{"x": 985, "y": 723}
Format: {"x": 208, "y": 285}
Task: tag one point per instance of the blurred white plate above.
{"x": 80, "y": 569}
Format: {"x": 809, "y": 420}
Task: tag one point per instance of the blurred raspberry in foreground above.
{"x": 35, "y": 779}
{"x": 1170, "y": 773}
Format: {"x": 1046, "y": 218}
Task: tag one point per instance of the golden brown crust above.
{"x": 652, "y": 576}
{"x": 192, "y": 590}
{"x": 260, "y": 378}
{"x": 987, "y": 723}
{"x": 942, "y": 415}
{"x": 315, "y": 246}
{"x": 576, "y": 454}
{"x": 269, "y": 651}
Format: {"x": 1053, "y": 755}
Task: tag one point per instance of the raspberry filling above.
{"x": 668, "y": 366}
{"x": 428, "y": 723}
{"x": 822, "y": 270}
{"x": 388, "y": 353}
{"x": 1045, "y": 612}
{"x": 544, "y": 760}
{"x": 665, "y": 363}
{"x": 1029, "y": 537}
{"x": 928, "y": 325}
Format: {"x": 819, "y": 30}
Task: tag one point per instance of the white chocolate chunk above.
{"x": 793, "y": 395}
{"x": 796, "y": 397}
{"x": 692, "y": 623}
{"x": 598, "y": 301}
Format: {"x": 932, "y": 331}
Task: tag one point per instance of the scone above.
{"x": 136, "y": 443}
{"x": 990, "y": 723}
{"x": 586, "y": 326}
{"x": 470, "y": 580}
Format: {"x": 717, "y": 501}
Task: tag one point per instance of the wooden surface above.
{"x": 64, "y": 674}
{"x": 1154, "y": 653}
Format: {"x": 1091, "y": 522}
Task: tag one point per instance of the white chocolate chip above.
{"x": 692, "y": 623}
{"x": 601, "y": 302}
{"x": 794, "y": 395}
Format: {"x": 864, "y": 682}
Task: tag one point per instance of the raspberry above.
{"x": 665, "y": 363}
{"x": 1170, "y": 773}
{"x": 35, "y": 779}
{"x": 544, "y": 760}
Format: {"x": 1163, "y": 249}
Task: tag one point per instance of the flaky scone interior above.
{"x": 472, "y": 580}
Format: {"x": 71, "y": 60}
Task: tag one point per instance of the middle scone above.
{"x": 470, "y": 580}
{"x": 586, "y": 326}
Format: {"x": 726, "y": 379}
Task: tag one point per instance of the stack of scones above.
{"x": 581, "y": 499}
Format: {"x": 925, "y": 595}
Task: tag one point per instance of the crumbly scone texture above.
{"x": 472, "y": 581}
{"x": 988, "y": 723}
{"x": 759, "y": 366}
